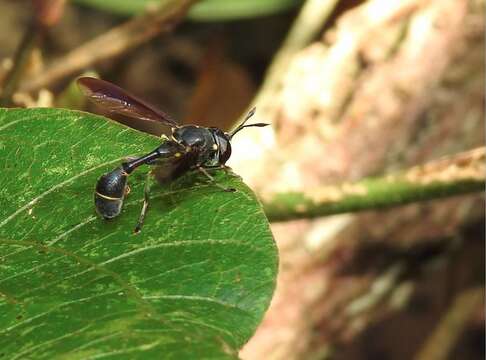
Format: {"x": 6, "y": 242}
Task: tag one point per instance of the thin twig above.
{"x": 29, "y": 41}
{"x": 46, "y": 14}
{"x": 112, "y": 43}
{"x": 459, "y": 174}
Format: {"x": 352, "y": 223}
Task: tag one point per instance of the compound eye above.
{"x": 224, "y": 151}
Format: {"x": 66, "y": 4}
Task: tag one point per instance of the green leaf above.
{"x": 219, "y": 10}
{"x": 208, "y": 10}
{"x": 194, "y": 283}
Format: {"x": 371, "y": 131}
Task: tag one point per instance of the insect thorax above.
{"x": 200, "y": 141}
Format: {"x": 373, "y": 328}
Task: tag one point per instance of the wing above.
{"x": 117, "y": 100}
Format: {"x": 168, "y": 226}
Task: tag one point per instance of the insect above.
{"x": 189, "y": 148}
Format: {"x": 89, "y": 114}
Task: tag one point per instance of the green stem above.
{"x": 460, "y": 174}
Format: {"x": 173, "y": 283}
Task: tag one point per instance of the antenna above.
{"x": 242, "y": 125}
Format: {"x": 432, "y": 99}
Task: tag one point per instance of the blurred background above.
{"x": 352, "y": 89}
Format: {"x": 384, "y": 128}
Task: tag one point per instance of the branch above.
{"x": 112, "y": 43}
{"x": 460, "y": 174}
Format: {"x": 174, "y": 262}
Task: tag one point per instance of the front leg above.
{"x": 225, "y": 168}
{"x": 205, "y": 172}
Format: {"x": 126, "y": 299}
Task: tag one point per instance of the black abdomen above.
{"x": 110, "y": 192}
{"x": 108, "y": 208}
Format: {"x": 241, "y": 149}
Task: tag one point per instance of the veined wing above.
{"x": 117, "y": 100}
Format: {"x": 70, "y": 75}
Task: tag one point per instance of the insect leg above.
{"x": 225, "y": 168}
{"x": 146, "y": 193}
{"x": 204, "y": 171}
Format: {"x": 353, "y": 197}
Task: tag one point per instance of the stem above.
{"x": 112, "y": 43}
{"x": 460, "y": 174}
